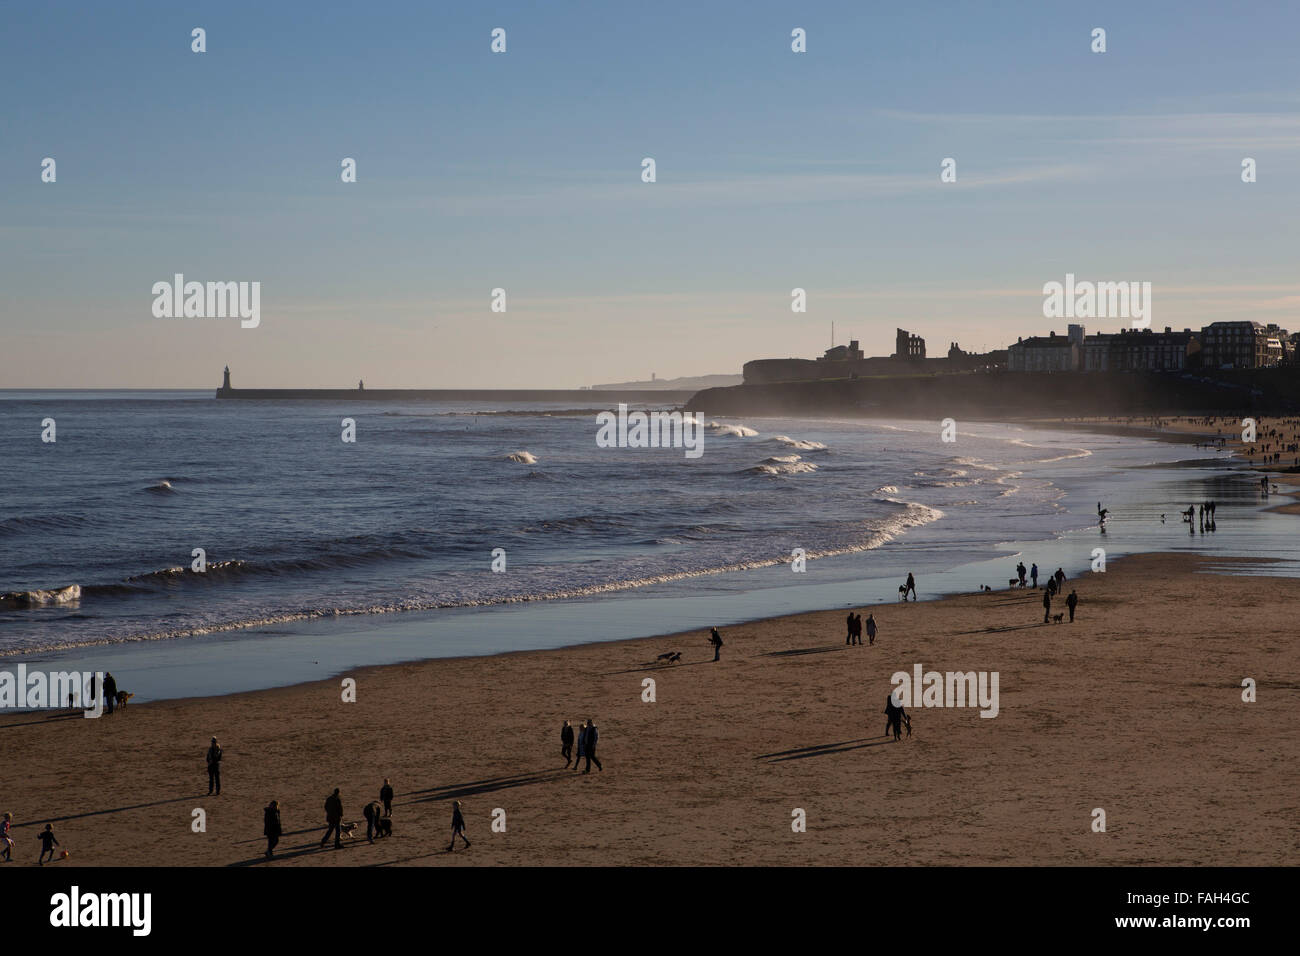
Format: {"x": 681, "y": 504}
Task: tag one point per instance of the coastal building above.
{"x": 908, "y": 347}
{"x": 1141, "y": 350}
{"x": 843, "y": 353}
{"x": 1051, "y": 353}
{"x": 1241, "y": 344}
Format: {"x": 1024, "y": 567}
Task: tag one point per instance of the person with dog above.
{"x": 1047, "y": 602}
{"x": 214, "y": 763}
{"x": 386, "y": 795}
{"x": 373, "y": 812}
{"x": 591, "y": 735}
{"x": 566, "y": 744}
{"x": 1072, "y": 602}
{"x": 910, "y": 586}
{"x": 48, "y": 843}
{"x": 271, "y": 827}
{"x": 457, "y": 827}
{"x": 110, "y": 692}
{"x": 894, "y": 714}
{"x": 334, "y": 819}
{"x": 871, "y": 628}
{"x": 1020, "y": 573}
{"x": 716, "y": 640}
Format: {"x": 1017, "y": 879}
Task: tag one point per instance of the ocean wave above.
{"x": 41, "y": 598}
{"x": 522, "y": 457}
{"x": 738, "y": 431}
{"x": 909, "y": 515}
{"x": 797, "y": 443}
{"x": 783, "y": 468}
{"x": 163, "y": 487}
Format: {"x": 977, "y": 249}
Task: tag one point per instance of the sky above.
{"x": 522, "y": 171}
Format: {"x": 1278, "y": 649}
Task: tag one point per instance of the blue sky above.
{"x": 522, "y": 171}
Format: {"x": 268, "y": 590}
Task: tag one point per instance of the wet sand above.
{"x": 1135, "y": 708}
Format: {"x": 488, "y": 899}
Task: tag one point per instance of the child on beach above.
{"x": 457, "y": 827}
{"x": 48, "y": 843}
{"x": 5, "y": 838}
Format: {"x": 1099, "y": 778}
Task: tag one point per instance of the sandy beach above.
{"x": 1136, "y": 708}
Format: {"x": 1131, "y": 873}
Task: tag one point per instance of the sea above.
{"x": 203, "y": 546}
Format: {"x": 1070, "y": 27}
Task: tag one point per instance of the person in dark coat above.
{"x": 716, "y": 640}
{"x": 110, "y": 692}
{"x": 214, "y": 763}
{"x": 849, "y": 637}
{"x": 1047, "y": 603}
{"x": 911, "y": 586}
{"x": 566, "y": 744}
{"x": 333, "y": 819}
{"x": 457, "y": 827}
{"x": 271, "y": 825}
{"x": 48, "y": 843}
{"x": 1071, "y": 602}
{"x": 893, "y": 718}
{"x": 386, "y": 795}
{"x": 373, "y": 812}
{"x": 589, "y": 751}
{"x": 582, "y": 745}
{"x": 871, "y": 629}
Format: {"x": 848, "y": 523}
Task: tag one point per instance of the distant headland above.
{"x": 659, "y": 396}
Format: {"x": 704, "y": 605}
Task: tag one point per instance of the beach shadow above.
{"x": 821, "y": 750}
{"x": 100, "y": 813}
{"x": 806, "y": 650}
{"x": 61, "y": 715}
{"x": 456, "y": 791}
{"x": 656, "y": 666}
{"x": 304, "y": 849}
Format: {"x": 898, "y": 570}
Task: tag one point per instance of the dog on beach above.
{"x": 122, "y": 698}
{"x": 384, "y": 826}
{"x": 1012, "y": 582}
{"x": 1057, "y": 618}
{"x": 349, "y": 829}
{"x": 902, "y": 592}
{"x": 672, "y": 657}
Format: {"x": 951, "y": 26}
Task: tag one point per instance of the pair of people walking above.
{"x": 855, "y": 629}
{"x": 587, "y": 737}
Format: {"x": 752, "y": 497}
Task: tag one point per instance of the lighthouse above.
{"x": 225, "y": 383}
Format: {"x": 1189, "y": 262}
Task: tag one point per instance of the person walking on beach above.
{"x": 372, "y": 811}
{"x": 1059, "y": 576}
{"x": 848, "y": 638}
{"x": 6, "y": 841}
{"x": 386, "y": 795}
{"x": 871, "y": 628}
{"x": 716, "y": 640}
{"x": 1072, "y": 602}
{"x": 110, "y": 692}
{"x": 1033, "y": 574}
{"x": 566, "y": 744}
{"x": 1047, "y": 603}
{"x": 48, "y": 843}
{"x": 271, "y": 827}
{"x": 1020, "y": 572}
{"x": 894, "y": 714}
{"x": 582, "y": 745}
{"x": 589, "y": 750}
{"x": 457, "y": 827}
{"x": 214, "y": 763}
{"x": 910, "y": 586}
{"x": 333, "y": 819}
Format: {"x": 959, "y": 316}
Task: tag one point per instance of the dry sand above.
{"x": 1136, "y": 708}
